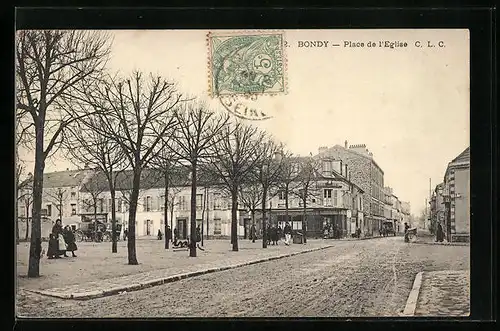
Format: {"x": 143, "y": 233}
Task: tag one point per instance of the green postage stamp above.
{"x": 246, "y": 62}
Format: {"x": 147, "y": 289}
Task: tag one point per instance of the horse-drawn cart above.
{"x": 96, "y": 230}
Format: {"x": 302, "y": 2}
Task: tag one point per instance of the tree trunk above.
{"x": 95, "y": 219}
{"x": 286, "y": 204}
{"x": 165, "y": 207}
{"x": 234, "y": 218}
{"x": 36, "y": 223}
{"x": 27, "y": 222}
{"x": 192, "y": 236}
{"x": 114, "y": 246}
{"x": 264, "y": 229}
{"x": 304, "y": 222}
{"x": 134, "y": 197}
{"x": 60, "y": 209}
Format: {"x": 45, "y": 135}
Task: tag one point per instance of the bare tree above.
{"x": 305, "y": 189}
{"x": 58, "y": 196}
{"x": 49, "y": 66}
{"x": 235, "y": 157}
{"x": 251, "y": 196}
{"x": 268, "y": 175}
{"x": 138, "y": 115}
{"x": 194, "y": 137}
{"x": 165, "y": 161}
{"x": 94, "y": 189}
{"x": 25, "y": 195}
{"x": 86, "y": 145}
{"x": 288, "y": 176}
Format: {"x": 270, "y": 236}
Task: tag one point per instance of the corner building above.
{"x": 367, "y": 174}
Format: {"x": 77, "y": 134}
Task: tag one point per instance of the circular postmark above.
{"x": 244, "y": 67}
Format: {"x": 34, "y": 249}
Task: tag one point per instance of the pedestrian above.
{"x": 406, "y": 232}
{"x": 169, "y": 233}
{"x": 268, "y": 234}
{"x": 440, "y": 233}
{"x": 58, "y": 232}
{"x": 279, "y": 232}
{"x": 253, "y": 233}
{"x": 159, "y": 235}
{"x": 176, "y": 234}
{"x": 198, "y": 234}
{"x": 274, "y": 235}
{"x": 69, "y": 238}
{"x": 288, "y": 233}
{"x": 125, "y": 234}
{"x": 52, "y": 249}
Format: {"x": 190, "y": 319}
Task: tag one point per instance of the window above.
{"x": 119, "y": 205}
{"x": 148, "y": 203}
{"x": 327, "y": 197}
{"x": 199, "y": 201}
{"x": 282, "y": 195}
{"x": 49, "y": 210}
{"x": 335, "y": 198}
{"x": 217, "y": 201}
{"x": 217, "y": 226}
{"x": 73, "y": 209}
{"x": 182, "y": 203}
{"x": 100, "y": 205}
{"x": 162, "y": 203}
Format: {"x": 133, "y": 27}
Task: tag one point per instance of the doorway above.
{"x": 182, "y": 228}
{"x": 148, "y": 227}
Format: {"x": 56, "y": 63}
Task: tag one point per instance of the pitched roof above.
{"x": 463, "y": 157}
{"x": 68, "y": 178}
{"x": 150, "y": 178}
{"x": 353, "y": 152}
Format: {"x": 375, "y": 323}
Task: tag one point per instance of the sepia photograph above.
{"x": 242, "y": 173}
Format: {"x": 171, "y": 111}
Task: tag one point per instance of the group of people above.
{"x": 273, "y": 234}
{"x": 61, "y": 241}
{"x": 332, "y": 231}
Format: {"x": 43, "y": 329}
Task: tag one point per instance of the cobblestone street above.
{"x": 444, "y": 293}
{"x": 353, "y": 278}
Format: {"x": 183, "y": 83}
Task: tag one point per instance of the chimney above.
{"x": 322, "y": 149}
{"x": 345, "y": 144}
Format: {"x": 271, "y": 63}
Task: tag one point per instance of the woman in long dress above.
{"x": 58, "y": 232}
{"x": 69, "y": 238}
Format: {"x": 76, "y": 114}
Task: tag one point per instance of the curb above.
{"x": 411, "y": 303}
{"x": 442, "y": 244}
{"x": 164, "y": 280}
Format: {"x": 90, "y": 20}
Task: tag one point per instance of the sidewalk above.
{"x": 216, "y": 257}
{"x": 431, "y": 240}
{"x": 442, "y": 293}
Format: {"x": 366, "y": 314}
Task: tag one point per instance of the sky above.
{"x": 409, "y": 105}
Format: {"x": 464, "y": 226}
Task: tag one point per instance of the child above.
{"x": 52, "y": 252}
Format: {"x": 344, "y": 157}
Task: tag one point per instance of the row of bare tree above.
{"x": 67, "y": 101}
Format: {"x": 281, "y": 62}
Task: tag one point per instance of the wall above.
{"x": 462, "y": 210}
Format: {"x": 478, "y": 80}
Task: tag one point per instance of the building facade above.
{"x": 365, "y": 173}
{"x": 334, "y": 202}
{"x": 456, "y": 194}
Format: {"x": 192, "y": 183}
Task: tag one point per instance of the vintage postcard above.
{"x": 242, "y": 173}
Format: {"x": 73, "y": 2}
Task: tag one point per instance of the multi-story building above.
{"x": 60, "y": 199}
{"x": 333, "y": 201}
{"x": 213, "y": 207}
{"x": 457, "y": 197}
{"x": 367, "y": 174}
{"x": 388, "y": 205}
{"x": 405, "y": 214}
